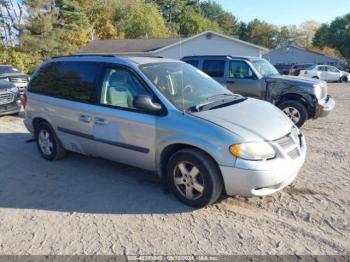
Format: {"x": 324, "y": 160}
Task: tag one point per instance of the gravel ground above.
{"x": 82, "y": 205}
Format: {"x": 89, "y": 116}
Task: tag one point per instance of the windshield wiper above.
{"x": 220, "y": 95}
{"x": 218, "y": 103}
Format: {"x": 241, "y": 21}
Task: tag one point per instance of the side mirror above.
{"x": 144, "y": 102}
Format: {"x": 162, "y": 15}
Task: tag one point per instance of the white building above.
{"x": 206, "y": 43}
{"x": 290, "y": 55}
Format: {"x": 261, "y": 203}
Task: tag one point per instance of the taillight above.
{"x": 24, "y": 100}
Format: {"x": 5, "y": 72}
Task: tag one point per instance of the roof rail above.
{"x": 111, "y": 55}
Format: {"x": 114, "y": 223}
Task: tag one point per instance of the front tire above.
{"x": 343, "y": 79}
{"x": 48, "y": 144}
{"x": 296, "y": 111}
{"x": 194, "y": 178}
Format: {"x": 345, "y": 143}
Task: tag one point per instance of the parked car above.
{"x": 10, "y": 100}
{"x": 13, "y": 75}
{"x": 299, "y": 98}
{"x": 295, "y": 69}
{"x": 165, "y": 116}
{"x": 283, "y": 69}
{"x": 326, "y": 73}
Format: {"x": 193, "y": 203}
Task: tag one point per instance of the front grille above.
{"x": 285, "y": 142}
{"x": 290, "y": 144}
{"x": 6, "y": 98}
{"x": 294, "y": 154}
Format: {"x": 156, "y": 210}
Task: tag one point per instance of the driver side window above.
{"x": 120, "y": 87}
{"x": 240, "y": 70}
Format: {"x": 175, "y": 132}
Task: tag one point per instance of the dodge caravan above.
{"x": 164, "y": 116}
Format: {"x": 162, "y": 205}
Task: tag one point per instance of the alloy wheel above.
{"x": 45, "y": 142}
{"x": 293, "y": 114}
{"x": 188, "y": 180}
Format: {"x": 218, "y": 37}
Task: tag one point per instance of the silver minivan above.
{"x": 164, "y": 116}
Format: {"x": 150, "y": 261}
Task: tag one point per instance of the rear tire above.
{"x": 296, "y": 111}
{"x": 48, "y": 144}
{"x": 315, "y": 77}
{"x": 194, "y": 178}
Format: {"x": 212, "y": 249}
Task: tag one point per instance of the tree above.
{"x": 226, "y": 20}
{"x": 308, "y": 30}
{"x": 12, "y": 20}
{"x": 259, "y": 32}
{"x": 173, "y": 10}
{"x": 322, "y": 36}
{"x": 192, "y": 23}
{"x": 141, "y": 20}
{"x": 100, "y": 14}
{"x": 336, "y": 35}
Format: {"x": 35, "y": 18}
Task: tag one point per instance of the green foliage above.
{"x": 192, "y": 23}
{"x": 21, "y": 60}
{"x": 60, "y": 27}
{"x": 336, "y": 35}
{"x": 259, "y": 32}
{"x": 141, "y": 20}
{"x": 225, "y": 20}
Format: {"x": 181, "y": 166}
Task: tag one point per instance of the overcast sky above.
{"x": 287, "y": 12}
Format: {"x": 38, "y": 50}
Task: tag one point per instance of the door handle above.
{"x": 85, "y": 118}
{"x": 100, "y": 122}
{"x": 230, "y": 82}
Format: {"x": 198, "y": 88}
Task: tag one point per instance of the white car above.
{"x": 326, "y": 73}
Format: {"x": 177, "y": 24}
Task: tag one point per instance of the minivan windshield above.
{"x": 184, "y": 85}
{"x": 265, "y": 68}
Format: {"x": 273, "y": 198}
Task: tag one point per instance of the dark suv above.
{"x": 299, "y": 98}
{"x": 10, "y": 100}
{"x": 295, "y": 69}
{"x": 13, "y": 75}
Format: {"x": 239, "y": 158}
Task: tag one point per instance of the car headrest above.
{"x": 119, "y": 78}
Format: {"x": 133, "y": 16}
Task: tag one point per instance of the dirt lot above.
{"x": 82, "y": 205}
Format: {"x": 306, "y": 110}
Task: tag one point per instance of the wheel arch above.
{"x": 306, "y": 100}
{"x": 37, "y": 121}
{"x": 171, "y": 149}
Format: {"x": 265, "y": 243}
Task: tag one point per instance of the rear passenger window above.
{"x": 193, "y": 62}
{"x": 214, "y": 68}
{"x": 68, "y": 80}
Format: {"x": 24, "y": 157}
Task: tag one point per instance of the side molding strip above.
{"x": 91, "y": 137}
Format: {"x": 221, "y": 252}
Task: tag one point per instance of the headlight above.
{"x": 253, "y": 151}
{"x": 318, "y": 91}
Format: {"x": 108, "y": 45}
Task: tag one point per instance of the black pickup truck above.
{"x": 300, "y": 98}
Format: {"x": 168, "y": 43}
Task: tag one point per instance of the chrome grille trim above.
{"x": 294, "y": 154}
{"x": 285, "y": 142}
{"x": 18, "y": 79}
{"x": 290, "y": 144}
{"x": 6, "y": 98}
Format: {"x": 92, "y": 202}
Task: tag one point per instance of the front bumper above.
{"x": 325, "y": 106}
{"x": 11, "y": 108}
{"x": 260, "y": 178}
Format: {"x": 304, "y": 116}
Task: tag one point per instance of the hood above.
{"x": 13, "y": 75}
{"x": 253, "y": 120}
{"x": 296, "y": 80}
{"x": 5, "y": 85}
